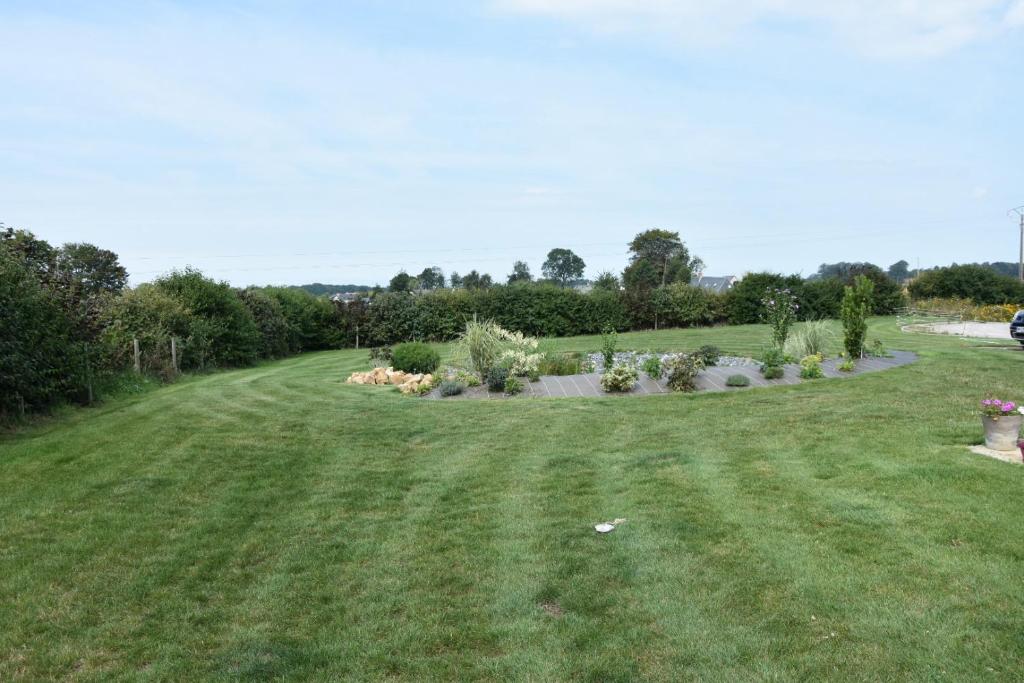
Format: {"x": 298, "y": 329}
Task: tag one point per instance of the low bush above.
{"x": 737, "y": 381}
{"x": 682, "y": 371}
{"x": 381, "y": 356}
{"x": 772, "y": 371}
{"x": 451, "y": 387}
{"x": 415, "y": 357}
{"x": 810, "y": 367}
{"x": 512, "y": 385}
{"x": 709, "y": 354}
{"x": 847, "y": 365}
{"x": 814, "y": 336}
{"x": 496, "y": 377}
{"x": 652, "y": 367}
{"x": 619, "y": 377}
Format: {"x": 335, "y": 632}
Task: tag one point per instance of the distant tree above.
{"x": 431, "y": 278}
{"x": 899, "y": 271}
{"x": 403, "y": 282}
{"x": 37, "y": 255}
{"x": 607, "y": 280}
{"x": 455, "y": 279}
{"x": 520, "y": 273}
{"x": 90, "y": 269}
{"x": 474, "y": 280}
{"x": 563, "y": 266}
{"x": 666, "y": 254}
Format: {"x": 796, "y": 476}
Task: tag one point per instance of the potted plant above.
{"x": 1002, "y": 421}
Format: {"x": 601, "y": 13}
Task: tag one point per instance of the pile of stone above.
{"x": 406, "y": 382}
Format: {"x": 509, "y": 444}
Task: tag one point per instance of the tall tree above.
{"x": 666, "y": 254}
{"x": 520, "y": 273}
{"x": 431, "y": 278}
{"x": 607, "y": 280}
{"x": 899, "y": 271}
{"x": 455, "y": 279}
{"x": 474, "y": 280}
{"x": 563, "y": 266}
{"x": 403, "y": 282}
{"x": 91, "y": 269}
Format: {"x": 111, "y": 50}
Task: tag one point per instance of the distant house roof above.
{"x": 714, "y": 284}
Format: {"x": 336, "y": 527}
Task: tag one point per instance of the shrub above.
{"x": 772, "y": 371}
{"x": 496, "y": 377}
{"x": 847, "y": 365}
{"x": 381, "y": 356}
{"x": 744, "y": 301}
{"x": 772, "y": 361}
{"x": 709, "y": 354}
{"x": 37, "y": 356}
{"x": 814, "y": 336}
{"x": 222, "y": 332}
{"x": 520, "y": 354}
{"x": 980, "y": 284}
{"x": 621, "y": 377}
{"x": 780, "y": 309}
{"x": 270, "y": 321}
{"x": 415, "y": 357}
{"x": 608, "y": 344}
{"x": 652, "y": 367}
{"x": 467, "y": 378}
{"x": 876, "y": 349}
{"x": 682, "y": 371}
{"x": 737, "y": 381}
{"x": 855, "y": 308}
{"x": 810, "y": 367}
{"x": 313, "y": 322}
{"x": 512, "y": 385}
{"x": 153, "y": 317}
{"x": 451, "y": 388}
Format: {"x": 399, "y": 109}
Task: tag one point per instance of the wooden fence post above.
{"x": 174, "y": 355}
{"x": 357, "y": 337}
{"x": 138, "y": 359}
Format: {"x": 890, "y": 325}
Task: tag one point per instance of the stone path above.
{"x": 709, "y": 379}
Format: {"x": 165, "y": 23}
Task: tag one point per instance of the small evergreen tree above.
{"x": 854, "y": 312}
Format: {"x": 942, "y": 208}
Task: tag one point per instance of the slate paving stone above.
{"x": 709, "y": 379}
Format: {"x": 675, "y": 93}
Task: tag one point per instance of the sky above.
{"x": 339, "y": 142}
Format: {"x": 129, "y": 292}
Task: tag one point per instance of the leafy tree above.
{"x": 743, "y": 304}
{"x": 474, "y": 280}
{"x": 270, "y": 321}
{"x": 403, "y": 282}
{"x": 91, "y": 269}
{"x": 520, "y": 273}
{"x": 455, "y": 279}
{"x": 38, "y": 255}
{"x": 607, "y": 280}
{"x": 563, "y": 266}
{"x": 855, "y": 309}
{"x": 899, "y": 271}
{"x": 888, "y": 296}
{"x": 431, "y": 278}
{"x": 666, "y": 254}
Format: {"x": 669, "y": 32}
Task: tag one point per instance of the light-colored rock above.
{"x": 398, "y": 378}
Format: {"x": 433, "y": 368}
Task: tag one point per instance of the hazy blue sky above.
{"x": 340, "y": 141}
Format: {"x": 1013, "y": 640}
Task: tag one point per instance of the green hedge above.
{"x": 980, "y": 284}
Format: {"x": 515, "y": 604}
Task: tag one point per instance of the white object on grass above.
{"x": 604, "y": 528}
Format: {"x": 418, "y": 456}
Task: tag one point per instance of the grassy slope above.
{"x": 277, "y": 522}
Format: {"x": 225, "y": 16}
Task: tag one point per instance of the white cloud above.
{"x": 878, "y": 28}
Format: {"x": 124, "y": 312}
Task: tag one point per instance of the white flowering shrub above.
{"x": 620, "y": 377}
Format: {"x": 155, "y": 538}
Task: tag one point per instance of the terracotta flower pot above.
{"x": 1002, "y": 433}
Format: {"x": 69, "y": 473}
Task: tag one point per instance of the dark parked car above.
{"x": 1017, "y": 327}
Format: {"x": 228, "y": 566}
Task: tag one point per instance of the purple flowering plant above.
{"x": 997, "y": 408}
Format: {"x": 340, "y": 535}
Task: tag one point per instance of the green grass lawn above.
{"x": 277, "y": 523}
